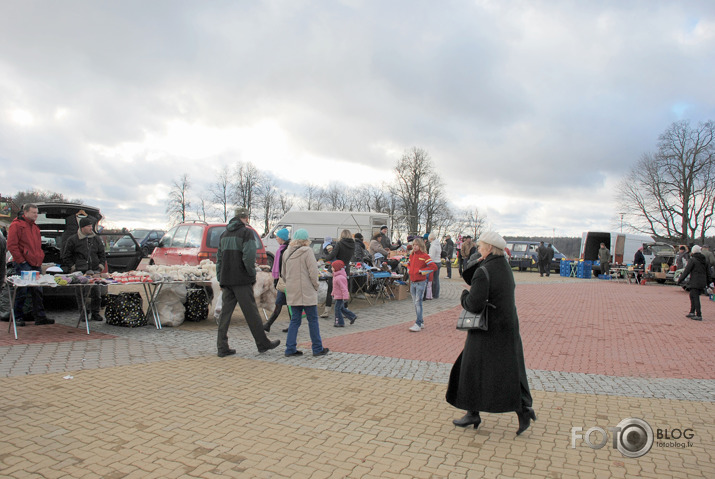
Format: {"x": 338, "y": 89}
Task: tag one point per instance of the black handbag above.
{"x": 480, "y": 320}
{"x": 197, "y": 305}
{"x": 125, "y": 309}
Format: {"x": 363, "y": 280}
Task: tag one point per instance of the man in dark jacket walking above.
{"x": 236, "y": 273}
{"x": 24, "y": 241}
{"x": 85, "y": 251}
{"x": 448, "y": 252}
{"x": 697, "y": 269}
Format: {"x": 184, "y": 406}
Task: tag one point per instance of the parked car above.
{"x": 524, "y": 255}
{"x": 660, "y": 261}
{"x": 147, "y": 239}
{"x": 191, "y": 243}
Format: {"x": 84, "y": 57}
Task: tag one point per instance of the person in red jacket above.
{"x": 420, "y": 266}
{"x": 24, "y": 242}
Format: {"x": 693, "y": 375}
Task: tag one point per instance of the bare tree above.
{"x": 221, "y": 193}
{"x": 247, "y": 181}
{"x": 41, "y": 196}
{"x": 418, "y": 188}
{"x": 202, "y": 205}
{"x": 178, "y": 203}
{"x": 267, "y": 200}
{"x": 472, "y": 222}
{"x": 313, "y": 197}
{"x": 285, "y": 203}
{"x": 671, "y": 194}
{"x": 336, "y": 197}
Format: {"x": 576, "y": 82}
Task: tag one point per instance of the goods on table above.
{"x": 203, "y": 272}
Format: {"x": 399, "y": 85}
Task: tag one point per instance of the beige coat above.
{"x": 301, "y": 276}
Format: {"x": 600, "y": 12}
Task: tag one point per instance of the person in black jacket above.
{"x": 447, "y": 253}
{"x": 638, "y": 264}
{"x": 490, "y": 374}
{"x": 385, "y": 240}
{"x": 697, "y": 269}
{"x": 236, "y": 273}
{"x": 85, "y": 251}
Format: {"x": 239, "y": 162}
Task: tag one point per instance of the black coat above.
{"x": 343, "y": 250}
{"x": 448, "y": 248}
{"x": 85, "y": 254}
{"x": 639, "y": 259}
{"x": 490, "y": 375}
{"x": 698, "y": 270}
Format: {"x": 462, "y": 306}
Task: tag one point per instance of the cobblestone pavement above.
{"x": 148, "y": 403}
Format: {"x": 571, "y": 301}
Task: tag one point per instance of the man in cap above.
{"x": 85, "y": 251}
{"x": 236, "y": 274}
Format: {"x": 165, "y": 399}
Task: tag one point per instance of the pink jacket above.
{"x": 340, "y": 285}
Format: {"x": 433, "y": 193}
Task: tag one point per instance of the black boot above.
{"x": 267, "y": 325}
{"x": 472, "y": 417}
{"x": 526, "y": 415}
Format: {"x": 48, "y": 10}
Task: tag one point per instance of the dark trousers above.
{"x": 243, "y": 295}
{"x": 91, "y": 294}
{"x": 695, "y": 301}
{"x": 544, "y": 267}
{"x": 35, "y": 293}
{"x": 329, "y": 297}
{"x": 449, "y": 267}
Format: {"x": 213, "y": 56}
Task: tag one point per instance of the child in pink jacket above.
{"x": 341, "y": 295}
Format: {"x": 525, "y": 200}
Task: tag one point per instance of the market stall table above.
{"x": 13, "y": 286}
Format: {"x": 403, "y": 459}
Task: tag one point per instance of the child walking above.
{"x": 341, "y": 295}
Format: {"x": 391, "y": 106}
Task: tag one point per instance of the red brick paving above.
{"x": 589, "y": 327}
{"x": 31, "y": 334}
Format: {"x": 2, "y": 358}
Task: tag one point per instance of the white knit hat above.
{"x": 696, "y": 249}
{"x": 493, "y": 238}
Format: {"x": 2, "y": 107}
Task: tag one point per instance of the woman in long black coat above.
{"x": 699, "y": 273}
{"x": 490, "y": 375}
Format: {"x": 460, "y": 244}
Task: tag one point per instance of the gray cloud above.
{"x": 543, "y": 104}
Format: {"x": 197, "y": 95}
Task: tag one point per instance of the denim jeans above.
{"x": 435, "y": 283}
{"x": 417, "y": 290}
{"x": 311, "y": 314}
{"x": 340, "y": 309}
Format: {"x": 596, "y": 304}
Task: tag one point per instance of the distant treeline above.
{"x": 569, "y": 246}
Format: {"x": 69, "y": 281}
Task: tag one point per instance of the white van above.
{"x": 623, "y": 246}
{"x": 321, "y": 224}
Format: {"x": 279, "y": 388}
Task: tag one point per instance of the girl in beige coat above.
{"x": 301, "y": 278}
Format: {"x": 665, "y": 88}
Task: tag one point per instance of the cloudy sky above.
{"x": 532, "y": 111}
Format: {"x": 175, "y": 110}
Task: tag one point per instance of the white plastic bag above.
{"x": 170, "y": 303}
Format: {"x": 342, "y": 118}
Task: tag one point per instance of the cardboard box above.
{"x": 400, "y": 291}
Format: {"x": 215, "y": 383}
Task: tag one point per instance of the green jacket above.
{"x": 236, "y": 256}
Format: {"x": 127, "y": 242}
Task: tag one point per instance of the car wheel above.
{"x": 270, "y": 260}
{"x": 145, "y": 251}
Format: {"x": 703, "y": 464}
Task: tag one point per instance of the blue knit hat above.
{"x": 283, "y": 234}
{"x": 301, "y": 234}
